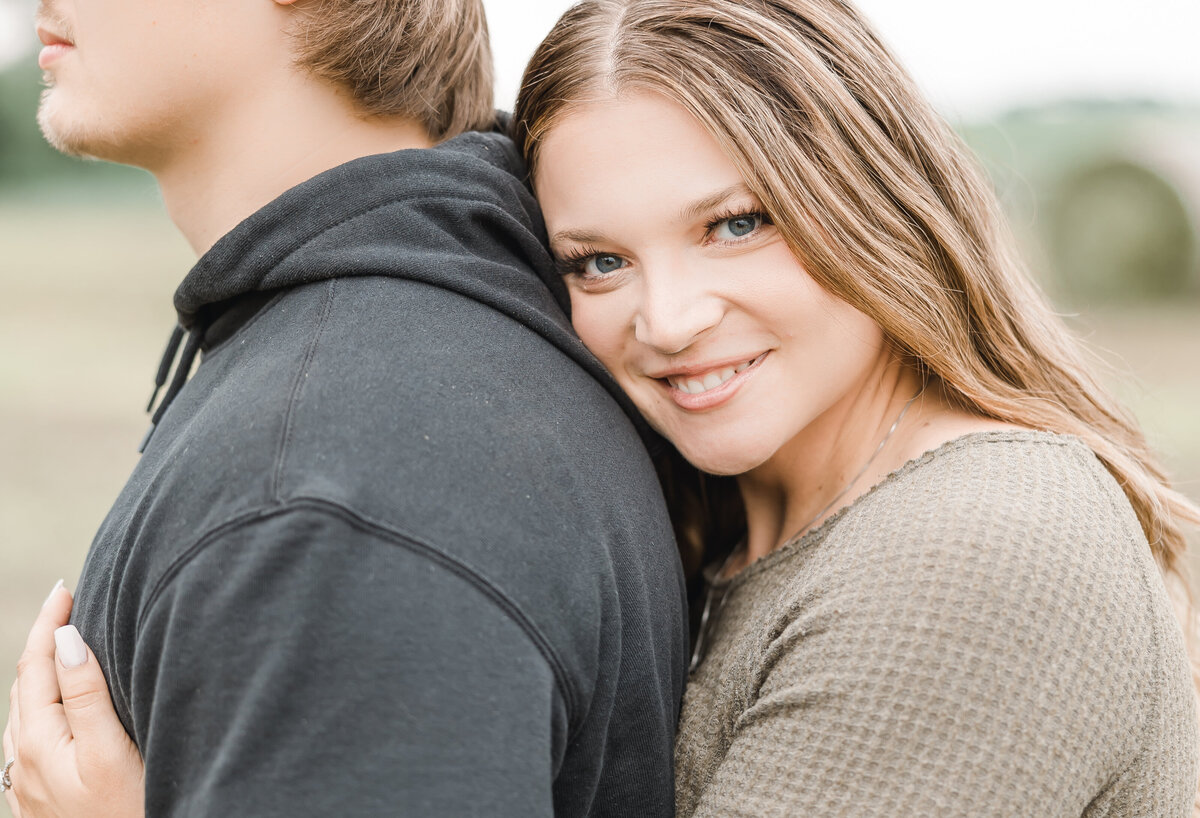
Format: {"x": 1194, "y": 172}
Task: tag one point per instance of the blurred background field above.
{"x": 1104, "y": 194}
{"x": 88, "y": 266}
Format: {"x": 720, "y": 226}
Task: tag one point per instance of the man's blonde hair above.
{"x": 429, "y": 60}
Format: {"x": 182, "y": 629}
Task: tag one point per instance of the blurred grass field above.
{"x": 85, "y": 308}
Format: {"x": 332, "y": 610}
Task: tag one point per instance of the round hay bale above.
{"x": 1123, "y": 229}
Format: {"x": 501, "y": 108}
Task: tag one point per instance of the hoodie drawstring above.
{"x": 182, "y": 370}
{"x": 164, "y": 365}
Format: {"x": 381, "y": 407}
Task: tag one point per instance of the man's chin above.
{"x": 64, "y": 134}
{"x": 61, "y": 137}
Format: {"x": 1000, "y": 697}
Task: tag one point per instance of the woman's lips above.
{"x": 717, "y": 385}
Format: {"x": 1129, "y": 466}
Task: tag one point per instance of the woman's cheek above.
{"x": 601, "y": 321}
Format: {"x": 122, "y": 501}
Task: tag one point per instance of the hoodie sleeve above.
{"x": 302, "y": 664}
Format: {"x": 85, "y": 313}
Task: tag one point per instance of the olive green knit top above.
{"x": 984, "y": 633}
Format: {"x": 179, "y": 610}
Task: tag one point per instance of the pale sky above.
{"x": 975, "y": 58}
{"x": 972, "y": 58}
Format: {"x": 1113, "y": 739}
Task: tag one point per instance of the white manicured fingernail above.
{"x": 53, "y": 590}
{"x": 71, "y": 650}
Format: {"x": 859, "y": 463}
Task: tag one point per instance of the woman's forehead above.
{"x": 633, "y": 148}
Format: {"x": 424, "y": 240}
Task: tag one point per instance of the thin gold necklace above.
{"x": 698, "y": 651}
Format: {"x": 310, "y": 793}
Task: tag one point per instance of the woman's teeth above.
{"x": 694, "y": 386}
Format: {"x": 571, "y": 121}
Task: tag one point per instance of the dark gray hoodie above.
{"x": 395, "y": 548}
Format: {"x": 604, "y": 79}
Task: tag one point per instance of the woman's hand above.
{"x": 73, "y": 757}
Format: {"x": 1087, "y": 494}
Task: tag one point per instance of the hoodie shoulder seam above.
{"x": 298, "y": 389}
{"x": 318, "y": 505}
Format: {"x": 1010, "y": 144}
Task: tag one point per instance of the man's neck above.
{"x": 265, "y": 148}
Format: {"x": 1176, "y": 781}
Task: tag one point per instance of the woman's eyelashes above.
{"x": 728, "y": 229}
{"x": 590, "y": 263}
{"x": 735, "y": 228}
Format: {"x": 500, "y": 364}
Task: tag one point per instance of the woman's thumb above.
{"x": 85, "y": 697}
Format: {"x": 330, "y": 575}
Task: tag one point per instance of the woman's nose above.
{"x": 676, "y": 309}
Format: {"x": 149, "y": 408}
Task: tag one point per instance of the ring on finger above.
{"x": 5, "y": 778}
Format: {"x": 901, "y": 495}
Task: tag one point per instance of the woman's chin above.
{"x": 721, "y": 461}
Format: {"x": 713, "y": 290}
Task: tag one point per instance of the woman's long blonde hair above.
{"x": 878, "y": 199}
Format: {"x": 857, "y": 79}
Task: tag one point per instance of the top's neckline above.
{"x": 817, "y": 534}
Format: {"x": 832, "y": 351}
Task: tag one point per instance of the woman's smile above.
{"x": 707, "y": 386}
{"x": 685, "y": 289}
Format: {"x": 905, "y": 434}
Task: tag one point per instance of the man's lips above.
{"x": 55, "y": 46}
{"x": 49, "y": 38}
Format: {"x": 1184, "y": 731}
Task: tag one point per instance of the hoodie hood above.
{"x": 458, "y": 216}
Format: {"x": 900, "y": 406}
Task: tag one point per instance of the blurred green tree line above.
{"x": 1104, "y": 194}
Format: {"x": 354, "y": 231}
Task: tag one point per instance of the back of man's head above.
{"x": 428, "y": 60}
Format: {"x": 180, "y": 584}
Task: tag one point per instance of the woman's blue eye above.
{"x": 603, "y": 265}
{"x": 739, "y": 226}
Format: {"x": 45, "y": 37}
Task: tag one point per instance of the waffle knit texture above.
{"x": 984, "y": 633}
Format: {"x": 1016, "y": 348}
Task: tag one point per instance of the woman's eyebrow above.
{"x": 699, "y": 208}
{"x": 689, "y": 213}
{"x": 576, "y": 236}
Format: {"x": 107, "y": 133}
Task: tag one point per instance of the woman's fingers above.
{"x": 37, "y": 679}
{"x": 37, "y": 723}
{"x": 86, "y": 701}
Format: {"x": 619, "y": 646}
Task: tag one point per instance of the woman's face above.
{"x": 687, "y": 293}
